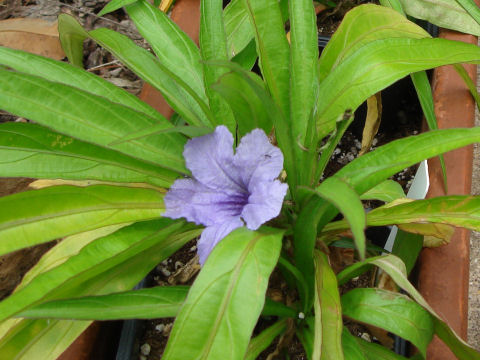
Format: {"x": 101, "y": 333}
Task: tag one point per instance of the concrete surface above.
{"x": 474, "y": 288}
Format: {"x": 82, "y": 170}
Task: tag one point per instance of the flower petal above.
{"x": 257, "y": 159}
{"x": 210, "y": 159}
{"x": 264, "y": 203}
{"x": 198, "y": 203}
{"x": 213, "y": 234}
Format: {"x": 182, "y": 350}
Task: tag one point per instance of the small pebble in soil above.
{"x": 165, "y": 271}
{"x": 366, "y": 337}
{"x": 145, "y": 349}
{"x": 164, "y": 263}
{"x": 160, "y": 327}
{"x": 193, "y": 248}
{"x": 167, "y": 329}
{"x": 178, "y": 265}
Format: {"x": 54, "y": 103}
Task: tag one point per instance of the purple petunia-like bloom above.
{"x": 227, "y": 188}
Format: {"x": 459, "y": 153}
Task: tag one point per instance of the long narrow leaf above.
{"x": 213, "y": 45}
{"x": 272, "y": 48}
{"x": 358, "y": 349}
{"x": 37, "y": 216}
{"x": 303, "y": 84}
{"x": 157, "y": 302}
{"x": 173, "y": 48}
{"x": 394, "y": 267}
{"x": 88, "y": 117}
{"x": 223, "y": 305}
{"x": 463, "y": 211}
{"x": 391, "y": 311}
{"x": 328, "y": 312}
{"x": 444, "y": 13}
{"x": 30, "y": 150}
{"x": 425, "y": 96}
{"x": 64, "y": 73}
{"x": 369, "y": 70}
{"x": 105, "y": 255}
{"x": 24, "y": 339}
{"x": 114, "y": 5}
{"x": 238, "y": 29}
{"x": 264, "y": 339}
{"x": 362, "y": 25}
{"x": 346, "y": 201}
{"x": 249, "y": 110}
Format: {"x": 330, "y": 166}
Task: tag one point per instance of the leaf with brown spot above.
{"x": 434, "y": 234}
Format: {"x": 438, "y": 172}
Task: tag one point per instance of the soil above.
{"x": 400, "y": 118}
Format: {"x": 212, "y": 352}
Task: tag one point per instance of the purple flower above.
{"x": 226, "y": 189}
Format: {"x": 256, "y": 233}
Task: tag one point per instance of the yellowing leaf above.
{"x": 372, "y": 122}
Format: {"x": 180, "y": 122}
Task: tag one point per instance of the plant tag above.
{"x": 418, "y": 190}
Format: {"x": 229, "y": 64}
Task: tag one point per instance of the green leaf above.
{"x": 303, "y": 84}
{"x": 25, "y": 339}
{"x": 238, "y": 29}
{"x": 364, "y": 173}
{"x": 68, "y": 247}
{"x": 304, "y": 57}
{"x": 358, "y": 349}
{"x": 455, "y": 210}
{"x": 88, "y": 117}
{"x": 30, "y": 150}
{"x": 174, "y": 49}
{"x": 386, "y": 191}
{"x": 444, "y": 13}
{"x": 394, "y": 267}
{"x": 115, "y": 5}
{"x": 300, "y": 283}
{"x": 272, "y": 48}
{"x": 471, "y": 8}
{"x": 305, "y": 333}
{"x": 223, "y": 305}
{"x": 280, "y": 123}
{"x": 249, "y": 109}
{"x": 69, "y": 75}
{"x": 27, "y": 336}
{"x": 247, "y": 57}
{"x": 71, "y": 36}
{"x": 347, "y": 201}
{"x": 179, "y": 95}
{"x": 425, "y": 96}
{"x": 275, "y": 308}
{"x": 187, "y": 130}
{"x": 328, "y": 312}
{"x": 264, "y": 339}
{"x": 37, "y": 216}
{"x": 360, "y": 26}
{"x": 213, "y": 45}
{"x": 157, "y": 302}
{"x": 368, "y": 170}
{"x": 394, "y": 4}
{"x": 369, "y": 70}
{"x": 472, "y": 86}
{"x": 407, "y": 246}
{"x": 390, "y": 311}
{"x": 108, "y": 256}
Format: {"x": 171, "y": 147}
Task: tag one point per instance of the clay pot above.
{"x": 444, "y": 271}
